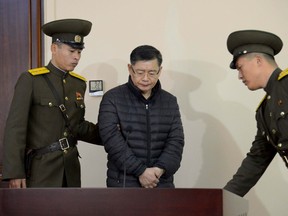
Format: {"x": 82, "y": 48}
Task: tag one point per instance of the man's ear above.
{"x": 160, "y": 70}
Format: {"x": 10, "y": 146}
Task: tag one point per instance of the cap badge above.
{"x": 77, "y": 38}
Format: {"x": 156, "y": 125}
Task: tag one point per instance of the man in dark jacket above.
{"x": 46, "y": 117}
{"x": 140, "y": 126}
{"x": 253, "y": 56}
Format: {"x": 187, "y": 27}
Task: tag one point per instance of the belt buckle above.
{"x": 64, "y": 144}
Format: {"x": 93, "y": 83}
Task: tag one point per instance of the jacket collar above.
{"x": 272, "y": 80}
{"x": 137, "y": 92}
{"x": 56, "y": 70}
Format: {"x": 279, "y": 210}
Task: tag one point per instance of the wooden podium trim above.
{"x": 113, "y": 201}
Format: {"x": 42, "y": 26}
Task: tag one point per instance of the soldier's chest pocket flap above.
{"x": 80, "y": 104}
{"x": 279, "y": 106}
{"x": 50, "y": 102}
{"x": 281, "y": 114}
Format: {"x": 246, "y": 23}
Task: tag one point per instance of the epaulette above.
{"x": 38, "y": 71}
{"x": 263, "y": 99}
{"x": 77, "y": 76}
{"x": 283, "y": 74}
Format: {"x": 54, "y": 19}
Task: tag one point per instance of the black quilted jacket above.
{"x": 138, "y": 133}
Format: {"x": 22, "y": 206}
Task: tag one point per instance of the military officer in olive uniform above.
{"x": 46, "y": 117}
{"x": 253, "y": 56}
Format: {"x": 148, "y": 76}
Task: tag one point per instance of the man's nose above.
{"x": 77, "y": 55}
{"x": 240, "y": 76}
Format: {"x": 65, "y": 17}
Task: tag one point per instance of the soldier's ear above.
{"x": 54, "y": 48}
{"x": 259, "y": 59}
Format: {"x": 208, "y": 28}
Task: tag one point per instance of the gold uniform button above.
{"x": 82, "y": 106}
{"x": 268, "y": 97}
{"x": 64, "y": 81}
{"x": 66, "y": 98}
{"x": 65, "y": 134}
{"x": 279, "y": 145}
{"x": 282, "y": 114}
{"x": 50, "y": 104}
{"x": 273, "y": 131}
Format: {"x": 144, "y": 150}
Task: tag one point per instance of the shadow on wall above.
{"x": 210, "y": 151}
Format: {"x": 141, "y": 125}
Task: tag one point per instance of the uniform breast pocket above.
{"x": 282, "y": 121}
{"x": 48, "y": 102}
{"x": 281, "y": 114}
{"x": 45, "y": 109}
{"x": 80, "y": 109}
{"x": 80, "y": 104}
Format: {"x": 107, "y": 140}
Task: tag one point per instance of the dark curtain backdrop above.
{"x": 21, "y": 49}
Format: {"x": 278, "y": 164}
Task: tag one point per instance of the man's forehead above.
{"x": 146, "y": 63}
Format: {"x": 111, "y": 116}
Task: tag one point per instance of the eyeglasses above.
{"x": 141, "y": 73}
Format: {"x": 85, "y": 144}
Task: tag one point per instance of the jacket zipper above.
{"x": 148, "y": 136}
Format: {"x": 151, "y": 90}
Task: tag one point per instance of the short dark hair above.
{"x": 145, "y": 53}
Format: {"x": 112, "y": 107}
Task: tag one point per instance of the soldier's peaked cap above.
{"x": 68, "y": 31}
{"x": 252, "y": 41}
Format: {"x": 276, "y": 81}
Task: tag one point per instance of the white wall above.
{"x": 217, "y": 110}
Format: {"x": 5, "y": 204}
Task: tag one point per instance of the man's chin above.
{"x": 71, "y": 68}
{"x": 145, "y": 90}
{"x": 251, "y": 88}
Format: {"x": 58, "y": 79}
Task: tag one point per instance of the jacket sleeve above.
{"x": 16, "y": 129}
{"x": 89, "y": 132}
{"x": 114, "y": 136}
{"x": 253, "y": 166}
{"x": 172, "y": 153}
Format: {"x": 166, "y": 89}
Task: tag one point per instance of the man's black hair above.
{"x": 145, "y": 53}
